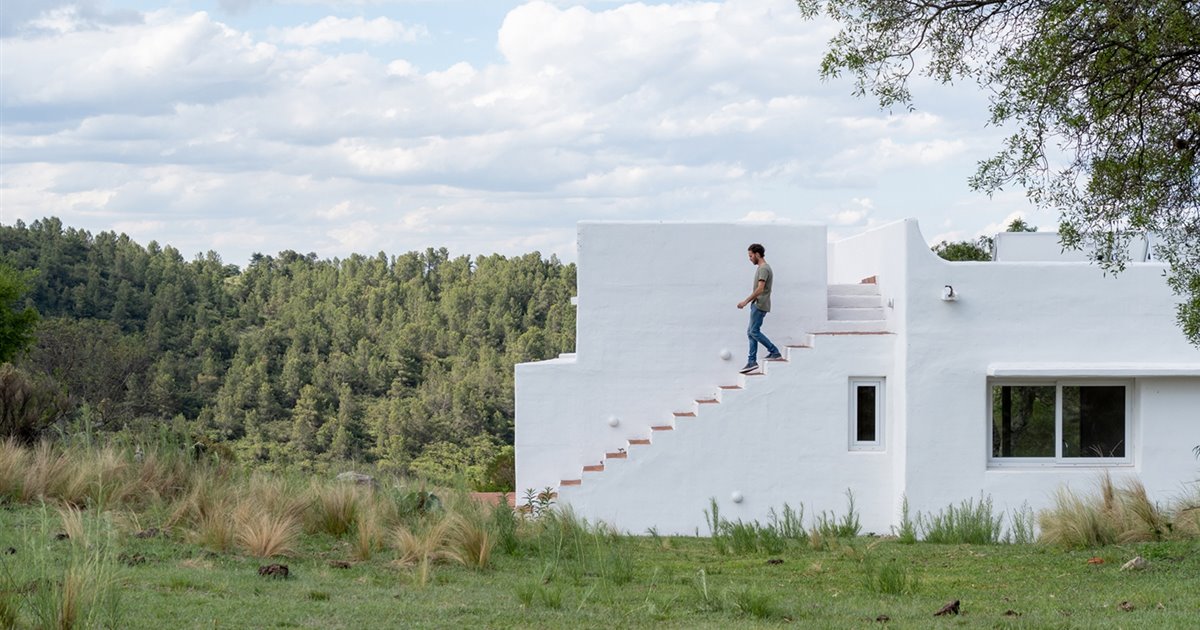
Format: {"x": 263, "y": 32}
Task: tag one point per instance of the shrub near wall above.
{"x": 1117, "y": 514}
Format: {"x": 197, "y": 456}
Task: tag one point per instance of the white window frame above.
{"x": 1058, "y": 461}
{"x": 877, "y": 444}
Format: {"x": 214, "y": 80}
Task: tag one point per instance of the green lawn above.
{"x": 676, "y": 582}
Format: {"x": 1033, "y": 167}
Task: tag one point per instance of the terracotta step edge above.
{"x": 571, "y": 482}
{"x": 665, "y": 427}
{"x": 685, "y": 414}
{"x": 595, "y": 467}
{"x": 707, "y": 401}
{"x": 731, "y": 387}
{"x": 639, "y": 441}
{"x": 616, "y": 455}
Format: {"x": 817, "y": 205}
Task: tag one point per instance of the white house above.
{"x": 1039, "y": 370}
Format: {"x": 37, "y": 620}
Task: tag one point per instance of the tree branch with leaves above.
{"x": 1104, "y": 97}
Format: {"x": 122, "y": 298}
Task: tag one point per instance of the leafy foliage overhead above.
{"x": 1104, "y": 97}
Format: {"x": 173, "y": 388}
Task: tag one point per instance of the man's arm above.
{"x": 758, "y": 289}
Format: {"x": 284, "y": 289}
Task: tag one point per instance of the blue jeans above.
{"x": 754, "y": 332}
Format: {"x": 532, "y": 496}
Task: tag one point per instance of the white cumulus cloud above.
{"x": 332, "y": 30}
{"x": 191, "y": 129}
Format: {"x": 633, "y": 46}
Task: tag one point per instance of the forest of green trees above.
{"x": 403, "y": 362}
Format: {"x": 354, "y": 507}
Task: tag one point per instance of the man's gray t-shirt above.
{"x": 763, "y": 301}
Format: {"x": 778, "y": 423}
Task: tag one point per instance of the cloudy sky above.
{"x": 339, "y": 126}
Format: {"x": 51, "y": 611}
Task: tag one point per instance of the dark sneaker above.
{"x": 774, "y": 356}
{"x": 750, "y": 367}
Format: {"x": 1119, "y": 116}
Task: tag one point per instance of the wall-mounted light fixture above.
{"x": 948, "y": 294}
{"x": 726, "y": 355}
{"x": 614, "y": 421}
{"x": 736, "y": 496}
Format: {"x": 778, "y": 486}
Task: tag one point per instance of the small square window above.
{"x": 866, "y": 414}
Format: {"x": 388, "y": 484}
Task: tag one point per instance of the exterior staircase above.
{"x": 855, "y": 308}
{"x": 678, "y": 418}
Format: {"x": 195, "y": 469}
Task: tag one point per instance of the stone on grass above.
{"x": 1137, "y": 564}
{"x": 948, "y": 609}
{"x": 132, "y": 560}
{"x": 1126, "y": 606}
{"x": 279, "y": 571}
{"x": 357, "y": 478}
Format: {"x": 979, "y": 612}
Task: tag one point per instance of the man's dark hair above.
{"x": 757, "y": 249}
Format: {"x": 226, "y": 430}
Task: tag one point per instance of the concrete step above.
{"x": 853, "y": 327}
{"x": 873, "y": 314}
{"x": 854, "y": 301}
{"x": 853, "y": 289}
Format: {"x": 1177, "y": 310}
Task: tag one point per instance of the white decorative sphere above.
{"x": 726, "y": 355}
{"x": 613, "y": 421}
{"x": 736, "y": 496}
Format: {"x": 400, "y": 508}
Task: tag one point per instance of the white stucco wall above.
{"x": 884, "y": 253}
{"x": 1036, "y": 314}
{"x": 656, "y": 308}
{"x": 1045, "y": 247}
{"x": 783, "y": 439}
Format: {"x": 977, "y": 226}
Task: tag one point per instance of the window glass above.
{"x": 1093, "y": 421}
{"x": 1023, "y": 421}
{"x": 866, "y": 427}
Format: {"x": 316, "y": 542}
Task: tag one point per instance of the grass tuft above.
{"x": 80, "y": 590}
{"x": 472, "y": 543}
{"x": 506, "y": 524}
{"x": 907, "y": 533}
{"x": 421, "y": 547}
{"x": 829, "y": 526}
{"x": 971, "y": 523}
{"x": 264, "y": 534}
{"x": 71, "y": 518}
{"x": 1116, "y": 514}
{"x": 14, "y": 461}
{"x": 755, "y": 603}
{"x": 890, "y": 578}
{"x": 1022, "y": 526}
{"x": 335, "y": 508}
{"x": 368, "y": 532}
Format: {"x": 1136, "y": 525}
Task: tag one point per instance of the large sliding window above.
{"x": 1065, "y": 422}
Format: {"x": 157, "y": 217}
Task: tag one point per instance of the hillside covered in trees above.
{"x": 401, "y": 361}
